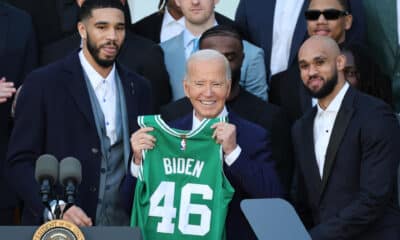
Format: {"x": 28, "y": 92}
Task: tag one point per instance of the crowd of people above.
{"x": 310, "y": 88}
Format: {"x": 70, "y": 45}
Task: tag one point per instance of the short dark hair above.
{"x": 344, "y": 4}
{"x": 89, "y": 5}
{"x": 221, "y": 30}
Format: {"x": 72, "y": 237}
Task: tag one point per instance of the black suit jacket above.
{"x": 54, "y": 116}
{"x": 270, "y": 117}
{"x": 356, "y": 197}
{"x": 18, "y": 57}
{"x": 150, "y": 26}
{"x": 140, "y": 55}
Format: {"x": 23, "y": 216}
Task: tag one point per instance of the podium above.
{"x": 90, "y": 233}
{"x": 274, "y": 219}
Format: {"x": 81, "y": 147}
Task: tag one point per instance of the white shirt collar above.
{"x": 335, "y": 104}
{"x": 168, "y": 19}
{"x": 94, "y": 77}
{"x": 197, "y": 122}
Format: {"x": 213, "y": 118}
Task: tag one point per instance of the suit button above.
{"x": 103, "y": 170}
{"x": 397, "y": 74}
{"x": 95, "y": 150}
{"x": 93, "y": 189}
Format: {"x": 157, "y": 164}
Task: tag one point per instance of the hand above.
{"x": 141, "y": 140}
{"x": 77, "y": 216}
{"x": 7, "y": 90}
{"x": 225, "y": 134}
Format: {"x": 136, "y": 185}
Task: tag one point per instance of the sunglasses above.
{"x": 329, "y": 14}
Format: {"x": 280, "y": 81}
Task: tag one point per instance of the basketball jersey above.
{"x": 181, "y": 192}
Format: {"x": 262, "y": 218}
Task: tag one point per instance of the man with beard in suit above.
{"x": 347, "y": 153}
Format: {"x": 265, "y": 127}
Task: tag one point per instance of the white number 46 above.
{"x": 167, "y": 212}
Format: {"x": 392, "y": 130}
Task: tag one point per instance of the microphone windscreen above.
{"x": 70, "y": 168}
{"x": 46, "y": 167}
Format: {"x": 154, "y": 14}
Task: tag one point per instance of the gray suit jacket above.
{"x": 253, "y": 76}
{"x": 383, "y": 40}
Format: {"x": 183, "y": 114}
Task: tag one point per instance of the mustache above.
{"x": 110, "y": 44}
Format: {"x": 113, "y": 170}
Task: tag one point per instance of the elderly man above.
{"x": 347, "y": 152}
{"x": 247, "y": 163}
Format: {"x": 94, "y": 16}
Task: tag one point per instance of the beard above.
{"x": 95, "y": 52}
{"x": 326, "y": 89}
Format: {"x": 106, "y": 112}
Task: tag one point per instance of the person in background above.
{"x": 19, "y": 57}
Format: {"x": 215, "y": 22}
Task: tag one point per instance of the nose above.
{"x": 195, "y": 2}
{"x": 312, "y": 70}
{"x": 112, "y": 34}
{"x": 321, "y": 19}
{"x": 208, "y": 90}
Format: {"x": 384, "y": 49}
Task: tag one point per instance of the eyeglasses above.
{"x": 329, "y": 14}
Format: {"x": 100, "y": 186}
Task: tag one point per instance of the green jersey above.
{"x": 182, "y": 192}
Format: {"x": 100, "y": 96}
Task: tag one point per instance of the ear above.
{"x": 348, "y": 22}
{"x": 340, "y": 62}
{"x": 82, "y": 30}
{"x": 186, "y": 88}
{"x": 177, "y": 2}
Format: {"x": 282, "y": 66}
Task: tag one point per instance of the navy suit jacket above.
{"x": 252, "y": 174}
{"x": 54, "y": 116}
{"x": 356, "y": 197}
{"x": 18, "y": 57}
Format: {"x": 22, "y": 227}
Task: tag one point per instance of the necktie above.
{"x": 195, "y": 45}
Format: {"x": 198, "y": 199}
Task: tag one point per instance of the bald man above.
{"x": 347, "y": 152}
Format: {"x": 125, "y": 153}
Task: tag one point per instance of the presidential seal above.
{"x": 58, "y": 230}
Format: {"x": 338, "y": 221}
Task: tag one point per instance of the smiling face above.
{"x": 103, "y": 35}
{"x": 335, "y": 28}
{"x": 206, "y": 87}
{"x": 319, "y": 65}
{"x": 197, "y": 12}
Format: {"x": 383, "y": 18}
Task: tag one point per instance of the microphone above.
{"x": 70, "y": 178}
{"x": 46, "y": 174}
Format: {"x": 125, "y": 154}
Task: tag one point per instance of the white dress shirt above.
{"x": 105, "y": 90}
{"x": 229, "y": 159}
{"x": 398, "y": 20}
{"x": 171, "y": 27}
{"x": 323, "y": 124}
{"x": 285, "y": 19}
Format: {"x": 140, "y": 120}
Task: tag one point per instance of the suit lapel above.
{"x": 131, "y": 102}
{"x": 309, "y": 150}
{"x": 339, "y": 129}
{"x": 4, "y": 24}
{"x": 77, "y": 87}
{"x": 386, "y": 11}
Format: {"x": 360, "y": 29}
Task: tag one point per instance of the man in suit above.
{"x": 18, "y": 57}
{"x": 200, "y": 16}
{"x": 347, "y": 153}
{"x": 279, "y": 28}
{"x": 228, "y": 42}
{"x": 138, "y": 54}
{"x": 84, "y": 105}
{"x": 383, "y": 40}
{"x": 245, "y": 145}
{"x": 162, "y": 25}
